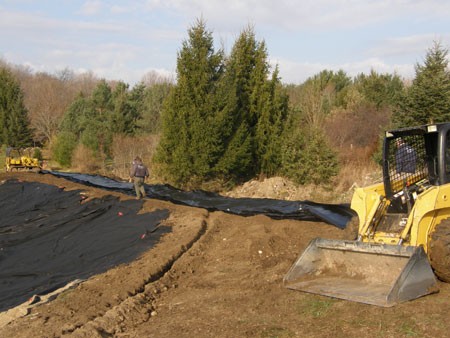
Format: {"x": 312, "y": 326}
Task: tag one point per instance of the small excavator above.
{"x": 399, "y": 242}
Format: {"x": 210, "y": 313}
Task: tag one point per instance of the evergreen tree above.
{"x": 330, "y": 87}
{"x": 253, "y": 112}
{"x": 237, "y": 118}
{"x": 14, "y": 123}
{"x": 222, "y": 123}
{"x": 93, "y": 120}
{"x": 189, "y": 144}
{"x": 122, "y": 119}
{"x": 428, "y": 98}
{"x": 306, "y": 156}
{"x": 381, "y": 90}
{"x": 72, "y": 127}
{"x": 269, "y": 129}
{"x": 74, "y": 115}
{"x": 342, "y": 84}
{"x": 102, "y": 100}
{"x": 149, "y": 105}
{"x": 96, "y": 122}
{"x": 63, "y": 147}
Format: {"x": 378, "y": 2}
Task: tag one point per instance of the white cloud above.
{"x": 127, "y": 39}
{"x": 116, "y": 9}
{"x": 303, "y": 15}
{"x": 408, "y": 45}
{"x": 91, "y": 7}
{"x": 14, "y": 22}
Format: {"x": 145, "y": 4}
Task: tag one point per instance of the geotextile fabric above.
{"x": 335, "y": 214}
{"x": 49, "y": 237}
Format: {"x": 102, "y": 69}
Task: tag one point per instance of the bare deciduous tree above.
{"x": 126, "y": 148}
{"x": 47, "y": 97}
{"x": 153, "y": 77}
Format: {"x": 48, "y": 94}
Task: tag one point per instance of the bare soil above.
{"x": 216, "y": 275}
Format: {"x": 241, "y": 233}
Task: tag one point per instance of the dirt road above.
{"x": 218, "y": 275}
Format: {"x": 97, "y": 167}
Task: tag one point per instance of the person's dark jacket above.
{"x": 139, "y": 170}
{"x": 405, "y": 159}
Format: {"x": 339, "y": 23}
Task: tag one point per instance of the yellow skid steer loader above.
{"x": 401, "y": 237}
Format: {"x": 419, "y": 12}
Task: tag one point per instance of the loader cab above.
{"x": 413, "y": 160}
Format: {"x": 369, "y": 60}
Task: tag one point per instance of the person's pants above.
{"x": 139, "y": 187}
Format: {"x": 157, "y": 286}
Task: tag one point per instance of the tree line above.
{"x": 226, "y": 118}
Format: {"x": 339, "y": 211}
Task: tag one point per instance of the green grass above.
{"x": 316, "y": 308}
{"x": 409, "y": 329}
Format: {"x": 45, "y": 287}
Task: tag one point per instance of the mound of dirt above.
{"x": 284, "y": 189}
{"x": 279, "y": 188}
{"x": 215, "y": 275}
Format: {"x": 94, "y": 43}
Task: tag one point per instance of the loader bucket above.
{"x": 381, "y": 275}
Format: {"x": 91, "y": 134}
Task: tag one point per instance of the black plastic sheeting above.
{"x": 335, "y": 214}
{"x": 50, "y": 237}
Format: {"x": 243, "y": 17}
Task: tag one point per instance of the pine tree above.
{"x": 237, "y": 118}
{"x": 306, "y": 156}
{"x": 96, "y": 122}
{"x": 149, "y": 105}
{"x": 14, "y": 123}
{"x": 253, "y": 113}
{"x": 74, "y": 115}
{"x": 189, "y": 145}
{"x": 122, "y": 119}
{"x": 222, "y": 120}
{"x": 93, "y": 120}
{"x": 379, "y": 89}
{"x": 269, "y": 129}
{"x": 428, "y": 98}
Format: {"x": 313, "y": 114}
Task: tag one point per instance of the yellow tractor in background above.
{"x": 401, "y": 237}
{"x": 21, "y": 159}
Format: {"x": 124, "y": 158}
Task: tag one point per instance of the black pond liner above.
{"x": 335, "y": 214}
{"x": 49, "y": 237}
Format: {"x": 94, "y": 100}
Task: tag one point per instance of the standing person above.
{"x": 139, "y": 173}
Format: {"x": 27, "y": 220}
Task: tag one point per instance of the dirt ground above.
{"x": 217, "y": 275}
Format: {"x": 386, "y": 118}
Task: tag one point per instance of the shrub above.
{"x": 37, "y": 153}
{"x": 86, "y": 160}
{"x": 63, "y": 148}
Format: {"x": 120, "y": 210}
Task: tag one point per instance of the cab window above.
{"x": 447, "y": 155}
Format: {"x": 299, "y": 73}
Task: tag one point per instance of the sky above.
{"x": 125, "y": 40}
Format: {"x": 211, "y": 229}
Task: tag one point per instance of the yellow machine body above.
{"x": 20, "y": 159}
{"x": 399, "y": 220}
